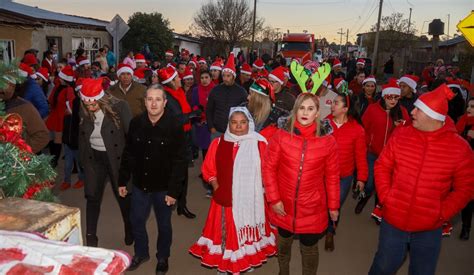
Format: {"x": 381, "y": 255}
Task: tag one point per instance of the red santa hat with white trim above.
{"x": 140, "y": 58}
{"x": 369, "y": 78}
{"x": 258, "y": 64}
{"x": 336, "y": 62}
{"x": 167, "y": 74}
{"x": 278, "y": 74}
{"x": 171, "y": 65}
{"x": 43, "y": 73}
{"x": 202, "y": 60}
{"x": 327, "y": 81}
{"x": 124, "y": 68}
{"x": 67, "y": 74}
{"x": 246, "y": 69}
{"x": 230, "y": 65}
{"x": 139, "y": 75}
{"x": 410, "y": 80}
{"x": 25, "y": 70}
{"x": 79, "y": 84}
{"x": 435, "y": 103}
{"x": 193, "y": 61}
{"x": 82, "y": 60}
{"x": 216, "y": 66}
{"x": 188, "y": 74}
{"x": 91, "y": 89}
{"x": 169, "y": 53}
{"x": 338, "y": 82}
{"x": 453, "y": 83}
{"x": 360, "y": 61}
{"x": 391, "y": 88}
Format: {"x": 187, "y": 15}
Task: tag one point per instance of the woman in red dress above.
{"x": 237, "y": 234}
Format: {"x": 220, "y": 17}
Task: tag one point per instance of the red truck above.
{"x": 298, "y": 45}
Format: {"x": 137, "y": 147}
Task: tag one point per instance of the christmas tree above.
{"x": 22, "y": 173}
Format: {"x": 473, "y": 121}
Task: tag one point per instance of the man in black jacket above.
{"x": 222, "y": 98}
{"x": 155, "y": 157}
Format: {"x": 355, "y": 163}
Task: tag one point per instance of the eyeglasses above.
{"x": 392, "y": 97}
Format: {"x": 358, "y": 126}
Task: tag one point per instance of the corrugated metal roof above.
{"x": 41, "y": 14}
{"x": 446, "y": 43}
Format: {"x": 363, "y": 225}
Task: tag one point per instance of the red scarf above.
{"x": 203, "y": 93}
{"x": 180, "y": 96}
{"x": 306, "y": 131}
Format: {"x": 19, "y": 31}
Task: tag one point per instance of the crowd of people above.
{"x": 277, "y": 161}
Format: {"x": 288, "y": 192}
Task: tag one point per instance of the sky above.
{"x": 324, "y": 18}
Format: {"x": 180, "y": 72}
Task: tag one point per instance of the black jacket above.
{"x": 221, "y": 99}
{"x": 154, "y": 155}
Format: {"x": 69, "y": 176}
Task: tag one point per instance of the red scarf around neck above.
{"x": 306, "y": 131}
{"x": 203, "y": 93}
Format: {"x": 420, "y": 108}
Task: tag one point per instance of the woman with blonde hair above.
{"x": 301, "y": 178}
{"x": 102, "y": 130}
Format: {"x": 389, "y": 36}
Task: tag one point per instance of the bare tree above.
{"x": 229, "y": 21}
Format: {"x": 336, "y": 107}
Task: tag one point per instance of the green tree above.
{"x": 148, "y": 28}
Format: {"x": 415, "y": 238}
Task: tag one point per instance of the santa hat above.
{"x": 262, "y": 74}
{"x": 92, "y": 89}
{"x": 391, "y": 88}
{"x": 360, "y": 61}
{"x": 169, "y": 53}
{"x": 410, "y": 80}
{"x": 263, "y": 87}
{"x": 124, "y": 68}
{"x": 82, "y": 60}
{"x": 167, "y": 74}
{"x": 424, "y": 85}
{"x": 370, "y": 78}
{"x": 193, "y": 61}
{"x": 67, "y": 74}
{"x": 336, "y": 62}
{"x": 220, "y": 61}
{"x": 216, "y": 66}
{"x": 171, "y": 65}
{"x": 43, "y": 73}
{"x": 258, "y": 64}
{"x": 230, "y": 65}
{"x": 278, "y": 74}
{"x": 286, "y": 72}
{"x": 453, "y": 83}
{"x": 327, "y": 81}
{"x": 26, "y": 70}
{"x": 435, "y": 103}
{"x": 246, "y": 69}
{"x": 139, "y": 75}
{"x": 202, "y": 61}
{"x": 338, "y": 82}
{"x": 79, "y": 84}
{"x": 140, "y": 58}
{"x": 188, "y": 74}
{"x": 30, "y": 59}
{"x": 184, "y": 52}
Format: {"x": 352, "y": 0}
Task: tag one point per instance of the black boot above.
{"x": 465, "y": 233}
{"x": 185, "y": 211}
{"x": 162, "y": 267}
{"x": 55, "y": 151}
{"x": 361, "y": 204}
{"x": 128, "y": 235}
{"x": 92, "y": 240}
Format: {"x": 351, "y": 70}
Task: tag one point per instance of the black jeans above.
{"x": 305, "y": 239}
{"x": 466, "y": 215}
{"x": 102, "y": 169}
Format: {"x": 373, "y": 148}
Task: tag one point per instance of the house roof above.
{"x": 446, "y": 43}
{"x": 45, "y": 16}
{"x": 186, "y": 38}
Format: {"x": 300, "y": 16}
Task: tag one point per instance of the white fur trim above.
{"x": 369, "y": 79}
{"x": 428, "y": 111}
{"x": 245, "y": 72}
{"x": 229, "y": 71}
{"x": 42, "y": 76}
{"x": 391, "y": 91}
{"x": 454, "y": 86}
{"x": 274, "y": 77}
{"x": 339, "y": 84}
{"x": 170, "y": 65}
{"x": 66, "y": 77}
{"x": 84, "y": 62}
{"x": 22, "y": 73}
{"x": 169, "y": 54}
{"x": 339, "y": 64}
{"x": 360, "y": 63}
{"x": 124, "y": 70}
{"x": 260, "y": 68}
{"x": 140, "y": 60}
{"x": 33, "y": 76}
{"x": 78, "y": 88}
{"x": 188, "y": 76}
{"x": 410, "y": 82}
{"x": 202, "y": 62}
{"x": 94, "y": 98}
{"x": 170, "y": 79}
{"x": 217, "y": 68}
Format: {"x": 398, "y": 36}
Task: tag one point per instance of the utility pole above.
{"x": 377, "y": 34}
{"x": 405, "y": 55}
{"x": 449, "y": 15}
{"x": 340, "y": 43}
{"x": 409, "y": 22}
{"x": 347, "y": 41}
{"x": 253, "y": 24}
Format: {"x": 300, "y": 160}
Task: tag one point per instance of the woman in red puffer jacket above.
{"x": 380, "y": 120}
{"x": 301, "y": 178}
{"x": 350, "y": 139}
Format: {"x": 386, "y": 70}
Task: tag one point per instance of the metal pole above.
{"x": 409, "y": 22}
{"x": 377, "y": 34}
{"x": 116, "y": 43}
{"x": 449, "y": 15}
{"x": 340, "y": 42}
{"x": 347, "y": 41}
{"x": 253, "y": 27}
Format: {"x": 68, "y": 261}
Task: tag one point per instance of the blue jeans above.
{"x": 393, "y": 246}
{"x": 71, "y": 156}
{"x": 346, "y": 184}
{"x": 140, "y": 211}
{"x": 370, "y": 185}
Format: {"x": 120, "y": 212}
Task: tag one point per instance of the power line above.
{"x": 317, "y": 25}
{"x": 365, "y": 22}
{"x": 300, "y": 3}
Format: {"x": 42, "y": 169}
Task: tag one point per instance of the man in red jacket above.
{"x": 423, "y": 178}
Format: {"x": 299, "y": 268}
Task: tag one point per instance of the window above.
{"x": 91, "y": 46}
{"x": 296, "y": 46}
{"x": 7, "y": 50}
{"x": 56, "y": 46}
